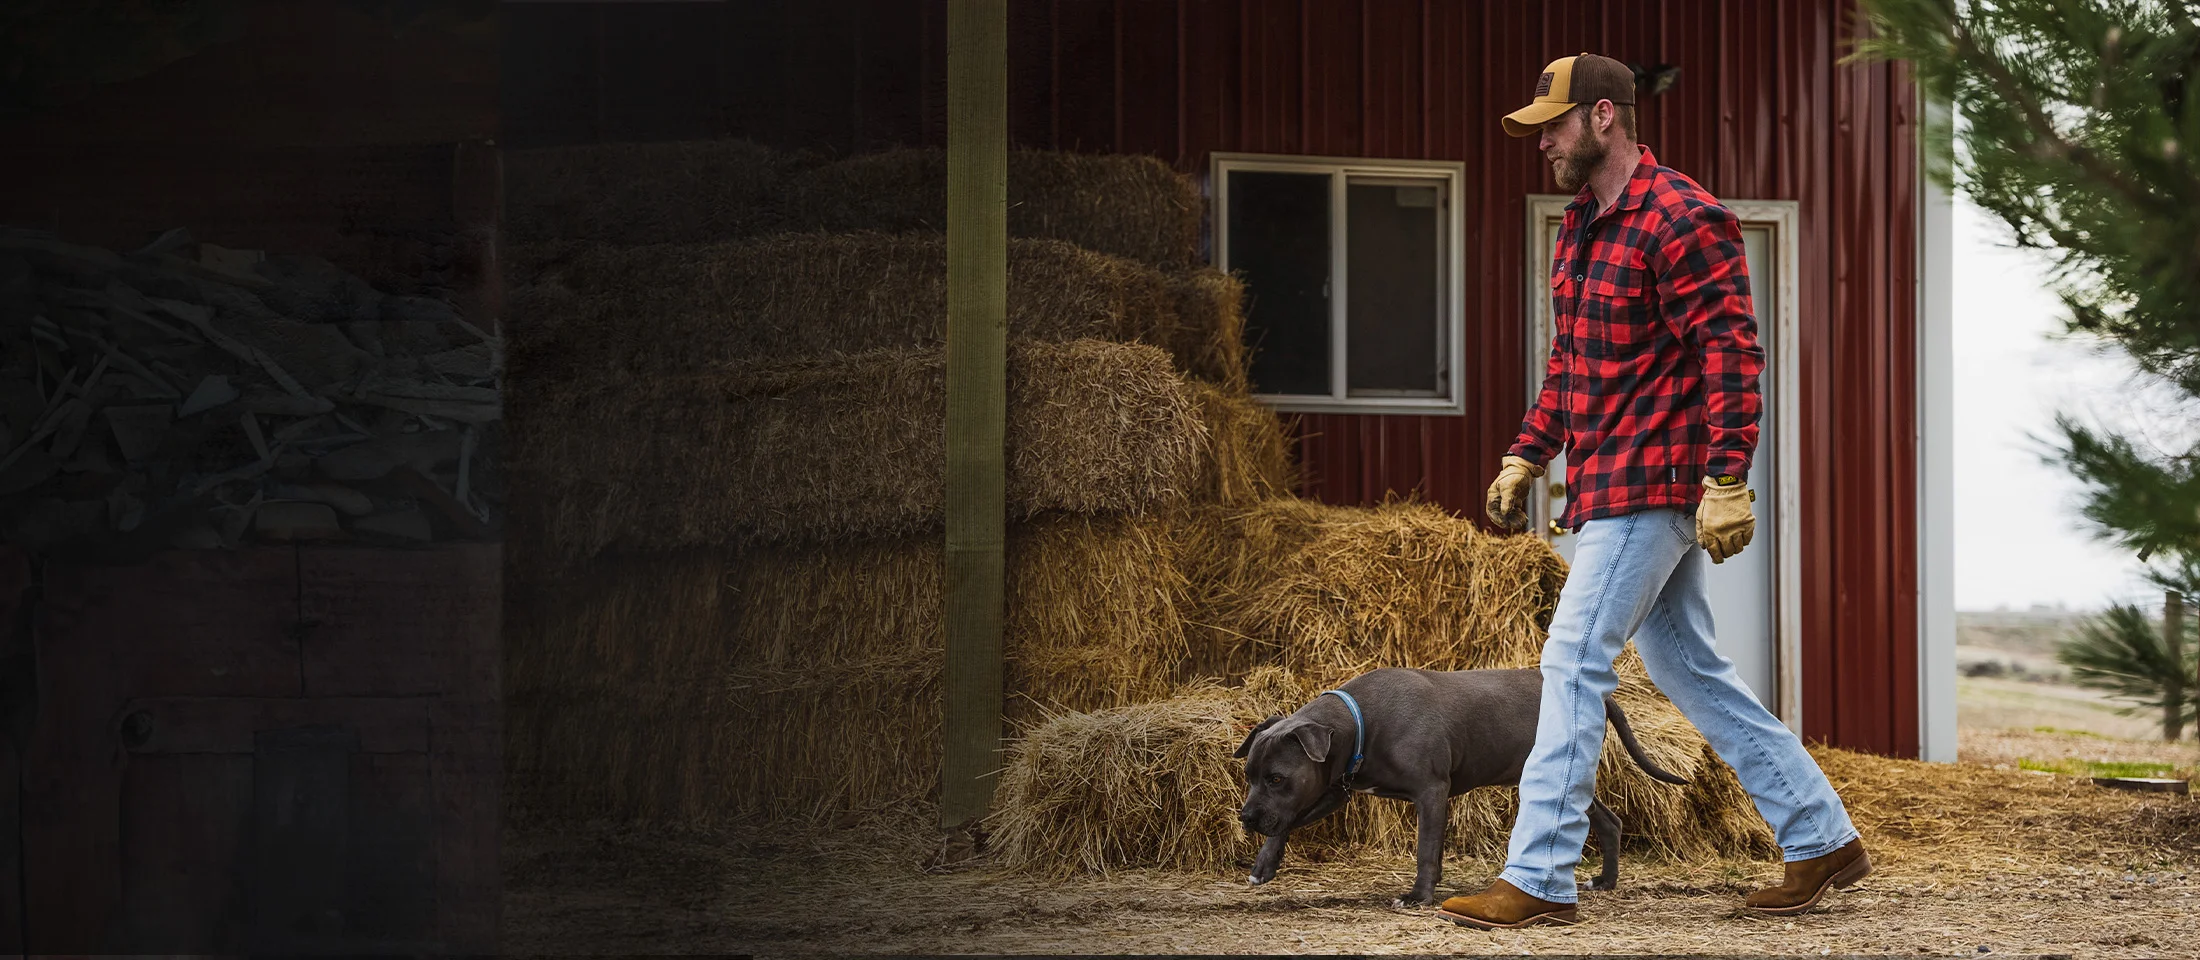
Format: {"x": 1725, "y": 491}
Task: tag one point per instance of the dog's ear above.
{"x": 1247, "y": 746}
{"x": 1315, "y": 739}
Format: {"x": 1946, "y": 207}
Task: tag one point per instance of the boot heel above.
{"x": 1850, "y": 874}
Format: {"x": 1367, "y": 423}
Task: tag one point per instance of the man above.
{"x": 1652, "y": 388}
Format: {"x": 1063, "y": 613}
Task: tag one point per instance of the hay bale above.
{"x": 1208, "y": 338}
{"x": 1154, "y": 785}
{"x": 595, "y": 755}
{"x": 805, "y": 683}
{"x": 793, "y": 296}
{"x": 635, "y": 193}
{"x": 830, "y": 645}
{"x": 795, "y": 682}
{"x": 603, "y": 709}
{"x": 1130, "y": 206}
{"x": 715, "y": 190}
{"x": 631, "y": 625}
{"x": 1142, "y": 785}
{"x": 1248, "y": 457}
{"x": 1091, "y": 615}
{"x": 851, "y": 448}
{"x": 835, "y": 642}
{"x": 1299, "y": 597}
{"x": 1331, "y": 592}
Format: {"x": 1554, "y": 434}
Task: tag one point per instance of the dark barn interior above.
{"x": 251, "y": 681}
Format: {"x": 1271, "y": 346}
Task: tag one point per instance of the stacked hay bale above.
{"x": 1331, "y": 592}
{"x": 1155, "y": 785}
{"x": 1136, "y": 208}
{"x": 645, "y": 193}
{"x": 729, "y": 573}
{"x": 728, "y": 579}
{"x": 1291, "y": 598}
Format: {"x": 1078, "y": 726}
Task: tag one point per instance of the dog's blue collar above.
{"x": 1359, "y": 731}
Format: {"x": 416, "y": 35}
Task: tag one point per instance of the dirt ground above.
{"x": 1970, "y": 859}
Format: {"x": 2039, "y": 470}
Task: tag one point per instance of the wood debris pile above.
{"x": 185, "y": 395}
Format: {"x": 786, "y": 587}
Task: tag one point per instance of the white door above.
{"x": 1745, "y": 588}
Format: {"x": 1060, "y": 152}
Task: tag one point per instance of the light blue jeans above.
{"x": 1641, "y": 575}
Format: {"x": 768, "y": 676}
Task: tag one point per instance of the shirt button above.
{"x": 1580, "y": 277}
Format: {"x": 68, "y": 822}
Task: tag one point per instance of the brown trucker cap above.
{"x": 1583, "y": 78}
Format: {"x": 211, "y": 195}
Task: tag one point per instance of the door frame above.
{"x": 1784, "y": 218}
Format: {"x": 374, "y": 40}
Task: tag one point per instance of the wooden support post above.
{"x": 977, "y": 403}
{"x": 2173, "y": 641}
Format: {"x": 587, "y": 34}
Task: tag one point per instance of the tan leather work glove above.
{"x": 1724, "y": 523}
{"x": 1507, "y": 504}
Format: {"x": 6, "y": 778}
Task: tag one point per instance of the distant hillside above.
{"x": 2018, "y": 631}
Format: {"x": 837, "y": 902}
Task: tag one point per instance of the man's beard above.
{"x": 1573, "y": 169}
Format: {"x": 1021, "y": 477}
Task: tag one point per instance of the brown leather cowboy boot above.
{"x": 1808, "y": 880}
{"x": 1503, "y": 906}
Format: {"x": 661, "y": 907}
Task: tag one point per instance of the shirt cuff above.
{"x": 1528, "y": 453}
{"x": 1727, "y": 465}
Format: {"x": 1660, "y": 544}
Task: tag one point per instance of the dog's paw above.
{"x": 1601, "y": 884}
{"x": 1412, "y": 900}
{"x": 1257, "y": 880}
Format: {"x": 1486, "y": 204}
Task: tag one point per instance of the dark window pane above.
{"x": 1279, "y": 243}
{"x": 1392, "y": 327}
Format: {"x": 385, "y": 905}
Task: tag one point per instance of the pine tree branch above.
{"x": 2044, "y": 129}
{"x": 2192, "y": 11}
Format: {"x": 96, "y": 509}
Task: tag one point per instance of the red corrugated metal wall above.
{"x": 1761, "y": 111}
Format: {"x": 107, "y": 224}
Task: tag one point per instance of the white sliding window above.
{"x": 1353, "y": 280}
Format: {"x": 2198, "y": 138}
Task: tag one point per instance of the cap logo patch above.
{"x": 1543, "y": 86}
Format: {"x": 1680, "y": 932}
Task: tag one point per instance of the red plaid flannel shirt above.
{"x": 1652, "y": 381}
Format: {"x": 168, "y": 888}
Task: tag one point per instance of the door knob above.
{"x": 1558, "y": 488}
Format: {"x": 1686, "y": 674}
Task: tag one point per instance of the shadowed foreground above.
{"x": 1967, "y": 856}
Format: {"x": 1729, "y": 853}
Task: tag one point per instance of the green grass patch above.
{"x": 2098, "y": 768}
{"x": 2066, "y": 731}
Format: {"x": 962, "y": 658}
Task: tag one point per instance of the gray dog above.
{"x": 1425, "y": 736}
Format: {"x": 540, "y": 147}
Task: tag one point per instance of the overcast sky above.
{"x": 2019, "y": 538}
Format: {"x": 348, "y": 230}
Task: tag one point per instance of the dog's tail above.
{"x": 1634, "y": 749}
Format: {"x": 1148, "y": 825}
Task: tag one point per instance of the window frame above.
{"x": 1452, "y": 323}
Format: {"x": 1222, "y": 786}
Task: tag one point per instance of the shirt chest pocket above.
{"x": 1619, "y": 312}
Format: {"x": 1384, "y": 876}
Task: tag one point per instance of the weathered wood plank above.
{"x": 390, "y": 623}
{"x": 183, "y": 818}
{"x": 395, "y": 849}
{"x": 229, "y": 725}
{"x": 468, "y": 782}
{"x": 126, "y": 753}
{"x": 193, "y": 623}
{"x": 198, "y": 622}
{"x": 301, "y": 836}
{"x": 18, "y": 701}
